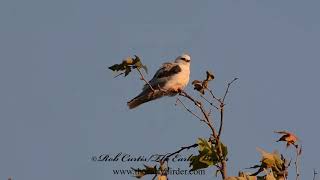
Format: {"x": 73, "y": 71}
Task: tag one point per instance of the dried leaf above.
{"x": 210, "y": 76}
{"x": 288, "y": 137}
{"x": 270, "y": 160}
{"x": 127, "y": 65}
{"x": 127, "y": 71}
{"x": 201, "y": 86}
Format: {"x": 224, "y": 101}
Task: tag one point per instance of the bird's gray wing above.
{"x": 166, "y": 71}
{"x": 282, "y": 132}
{"x": 145, "y": 96}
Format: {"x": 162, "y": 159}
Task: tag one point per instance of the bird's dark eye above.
{"x": 183, "y": 59}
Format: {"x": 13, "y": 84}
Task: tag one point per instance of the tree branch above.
{"x": 155, "y": 176}
{"x": 222, "y": 104}
{"x": 208, "y": 121}
{"x": 143, "y": 79}
{"x": 181, "y": 149}
{"x": 205, "y": 114}
{"x": 178, "y": 100}
{"x": 203, "y": 97}
{"x": 227, "y": 90}
{"x": 213, "y": 96}
{"x": 298, "y": 153}
{"x": 314, "y": 174}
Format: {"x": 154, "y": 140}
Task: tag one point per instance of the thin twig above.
{"x": 142, "y": 78}
{"x": 298, "y": 153}
{"x": 168, "y": 155}
{"x": 181, "y": 149}
{"x": 155, "y": 176}
{"x": 210, "y": 111}
{"x": 222, "y": 104}
{"x": 213, "y": 96}
{"x": 314, "y": 174}
{"x": 227, "y": 90}
{"x": 200, "y": 106}
{"x": 178, "y": 100}
{"x": 221, "y": 119}
{"x": 118, "y": 75}
{"x": 208, "y": 121}
{"x": 209, "y": 101}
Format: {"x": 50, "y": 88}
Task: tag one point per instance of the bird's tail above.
{"x": 144, "y": 97}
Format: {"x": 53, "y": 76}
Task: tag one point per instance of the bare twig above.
{"x": 227, "y": 90}
{"x": 178, "y": 100}
{"x": 118, "y": 75}
{"x": 221, "y": 119}
{"x": 142, "y": 78}
{"x": 200, "y": 106}
{"x": 155, "y": 176}
{"x": 213, "y": 96}
{"x": 209, "y": 113}
{"x": 168, "y": 155}
{"x": 222, "y": 104}
{"x": 314, "y": 174}
{"x": 203, "y": 97}
{"x": 298, "y": 153}
{"x": 181, "y": 149}
{"x": 207, "y": 120}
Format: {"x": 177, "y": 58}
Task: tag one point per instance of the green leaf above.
{"x": 206, "y": 159}
{"x": 224, "y": 150}
{"x": 207, "y": 156}
{"x": 203, "y": 144}
{"x": 196, "y": 163}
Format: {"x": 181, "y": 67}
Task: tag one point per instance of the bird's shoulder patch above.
{"x": 168, "y": 70}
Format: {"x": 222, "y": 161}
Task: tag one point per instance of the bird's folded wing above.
{"x": 282, "y": 132}
{"x": 166, "y": 71}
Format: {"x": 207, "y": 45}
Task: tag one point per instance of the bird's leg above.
{"x": 179, "y": 90}
{"x": 174, "y": 91}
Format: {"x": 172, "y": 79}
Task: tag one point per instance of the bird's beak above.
{"x": 187, "y": 60}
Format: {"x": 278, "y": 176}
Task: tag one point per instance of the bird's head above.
{"x": 184, "y": 59}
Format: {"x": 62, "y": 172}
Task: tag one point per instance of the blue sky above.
{"x": 60, "y": 106}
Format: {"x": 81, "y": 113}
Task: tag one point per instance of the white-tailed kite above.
{"x": 171, "y": 78}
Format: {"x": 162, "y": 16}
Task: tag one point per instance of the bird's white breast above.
{"x": 180, "y": 80}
